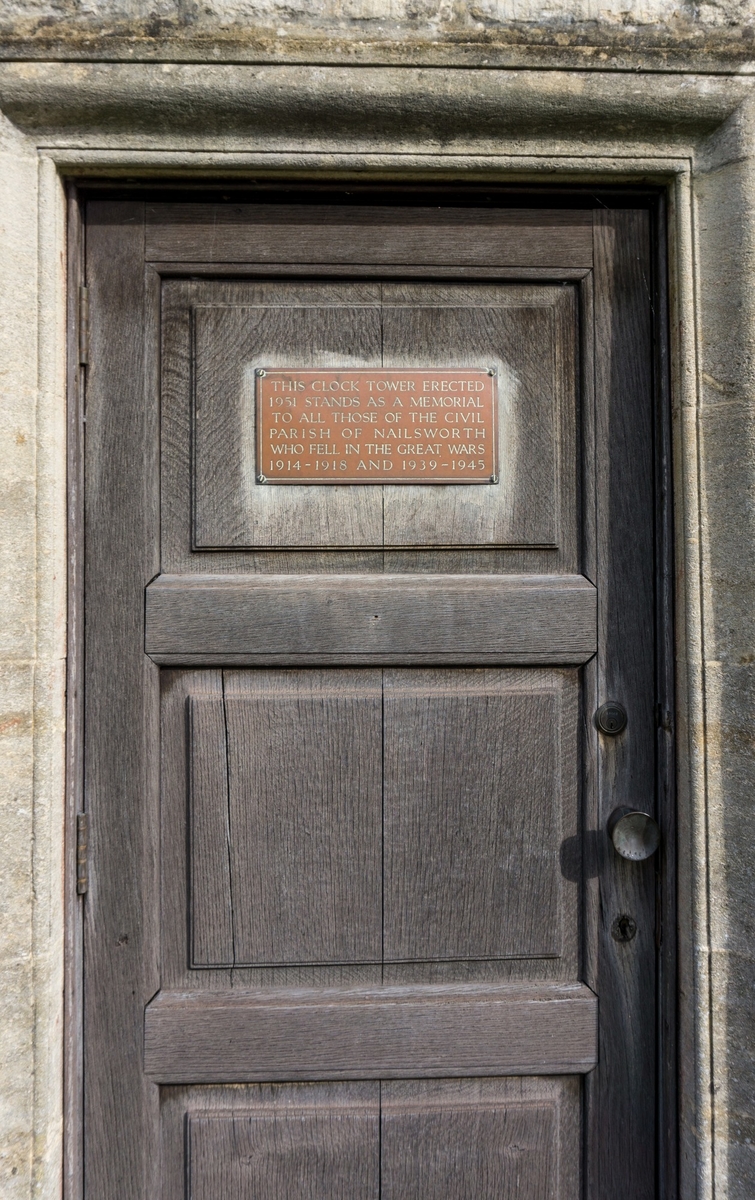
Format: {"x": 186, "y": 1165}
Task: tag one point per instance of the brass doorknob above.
{"x": 635, "y": 835}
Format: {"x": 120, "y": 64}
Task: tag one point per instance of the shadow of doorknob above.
{"x": 634, "y": 834}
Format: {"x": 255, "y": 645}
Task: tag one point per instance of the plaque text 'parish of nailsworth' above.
{"x": 391, "y": 425}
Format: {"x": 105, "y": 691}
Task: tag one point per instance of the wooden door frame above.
{"x": 665, "y": 640}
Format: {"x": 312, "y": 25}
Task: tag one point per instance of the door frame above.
{"x": 655, "y": 198}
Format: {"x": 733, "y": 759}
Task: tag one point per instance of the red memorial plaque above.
{"x": 423, "y": 425}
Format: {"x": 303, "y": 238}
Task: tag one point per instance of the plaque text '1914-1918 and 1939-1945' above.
{"x": 377, "y": 425}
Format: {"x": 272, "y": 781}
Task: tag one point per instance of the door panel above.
{"x": 291, "y": 796}
{"x": 214, "y": 620}
{"x": 523, "y": 336}
{"x": 351, "y": 928}
{"x": 243, "y": 1035}
{"x": 308, "y": 788}
{"x": 303, "y": 1142}
{"x": 477, "y": 800}
{"x": 479, "y": 1139}
{"x": 493, "y": 1138}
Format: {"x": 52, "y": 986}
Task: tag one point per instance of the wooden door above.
{"x": 354, "y": 927}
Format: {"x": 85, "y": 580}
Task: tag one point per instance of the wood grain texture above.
{"x": 234, "y": 273}
{"x": 400, "y": 1104}
{"x": 476, "y": 800}
{"x": 449, "y": 325}
{"x": 211, "y": 893}
{"x": 180, "y": 297}
{"x": 310, "y": 234}
{"x": 230, "y": 507}
{"x": 362, "y": 619}
{"x": 621, "y": 1097}
{"x": 520, "y": 343}
{"x": 121, "y": 778}
{"x": 291, "y": 846}
{"x": 406, "y": 1019}
{"x": 279, "y": 1150}
{"x": 388, "y": 1032}
{"x": 179, "y": 691}
{"x": 463, "y": 1139}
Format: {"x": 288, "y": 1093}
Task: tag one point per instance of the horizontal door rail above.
{"x": 331, "y": 234}
{"x": 390, "y": 1033}
{"x": 254, "y": 620}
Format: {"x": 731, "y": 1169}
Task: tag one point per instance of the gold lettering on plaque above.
{"x": 363, "y": 425}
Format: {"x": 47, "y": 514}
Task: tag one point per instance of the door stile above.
{"x": 587, "y": 500}
{"x": 122, "y": 712}
{"x": 620, "y": 1114}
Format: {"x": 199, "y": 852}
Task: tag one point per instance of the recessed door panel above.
{"x": 490, "y": 1139}
{"x": 288, "y": 768}
{"x": 304, "y": 1143}
{"x": 497, "y": 1139}
{"x": 380, "y": 816}
{"x": 523, "y": 337}
{"x": 479, "y": 793}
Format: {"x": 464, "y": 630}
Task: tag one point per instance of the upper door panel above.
{"x": 217, "y": 334}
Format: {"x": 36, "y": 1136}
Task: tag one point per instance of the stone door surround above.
{"x": 693, "y": 135}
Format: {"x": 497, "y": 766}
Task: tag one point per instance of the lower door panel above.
{"x": 487, "y": 1139}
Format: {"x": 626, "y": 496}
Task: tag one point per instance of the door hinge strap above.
{"x": 82, "y": 854}
{"x": 83, "y": 325}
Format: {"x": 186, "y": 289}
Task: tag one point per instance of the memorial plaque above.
{"x": 393, "y": 425}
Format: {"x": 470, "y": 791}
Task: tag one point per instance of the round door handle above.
{"x": 635, "y": 835}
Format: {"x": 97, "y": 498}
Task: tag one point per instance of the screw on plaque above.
{"x": 611, "y": 718}
{"x": 492, "y": 370}
{"x": 494, "y": 479}
{"x": 262, "y": 479}
{"x": 260, "y": 371}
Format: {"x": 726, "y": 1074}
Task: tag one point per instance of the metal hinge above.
{"x": 82, "y": 853}
{"x": 83, "y": 325}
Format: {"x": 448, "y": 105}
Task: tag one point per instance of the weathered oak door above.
{"x": 355, "y": 927}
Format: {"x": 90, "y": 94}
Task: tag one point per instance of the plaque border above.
{"x": 263, "y": 480}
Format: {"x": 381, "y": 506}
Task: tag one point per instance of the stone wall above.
{"x": 618, "y": 33}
